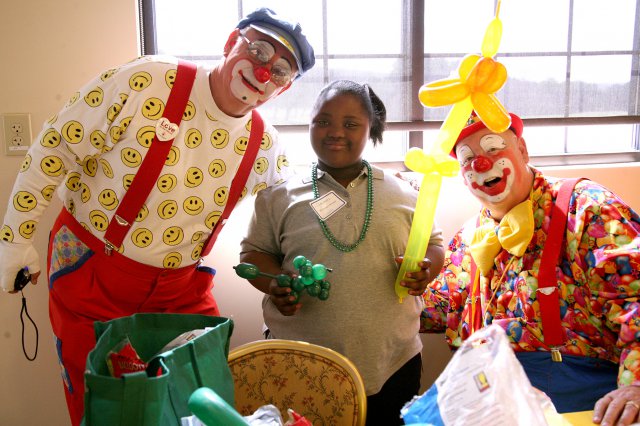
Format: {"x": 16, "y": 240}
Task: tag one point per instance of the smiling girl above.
{"x": 354, "y": 218}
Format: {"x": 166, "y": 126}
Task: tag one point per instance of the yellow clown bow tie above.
{"x": 513, "y": 233}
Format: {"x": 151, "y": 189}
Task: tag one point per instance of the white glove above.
{"x": 15, "y": 256}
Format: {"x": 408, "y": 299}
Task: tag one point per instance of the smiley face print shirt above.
{"x": 91, "y": 150}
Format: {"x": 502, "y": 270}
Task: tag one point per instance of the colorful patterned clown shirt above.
{"x": 598, "y": 279}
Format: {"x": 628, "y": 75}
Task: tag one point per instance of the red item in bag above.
{"x": 296, "y": 419}
{"x": 124, "y": 359}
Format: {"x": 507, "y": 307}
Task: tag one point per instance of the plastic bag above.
{"x": 211, "y": 410}
{"x": 483, "y": 384}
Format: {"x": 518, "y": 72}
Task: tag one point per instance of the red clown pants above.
{"x": 86, "y": 285}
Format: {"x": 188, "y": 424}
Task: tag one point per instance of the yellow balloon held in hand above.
{"x": 479, "y": 78}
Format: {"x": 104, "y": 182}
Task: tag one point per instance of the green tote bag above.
{"x": 139, "y": 399}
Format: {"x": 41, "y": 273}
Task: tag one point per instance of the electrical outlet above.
{"x": 17, "y": 133}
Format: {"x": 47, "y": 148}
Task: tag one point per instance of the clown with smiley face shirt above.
{"x": 597, "y": 275}
{"x": 89, "y": 154}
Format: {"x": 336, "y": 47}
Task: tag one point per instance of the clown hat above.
{"x": 474, "y": 124}
{"x": 289, "y": 34}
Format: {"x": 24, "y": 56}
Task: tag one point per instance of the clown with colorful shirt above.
{"x": 492, "y": 265}
{"x": 94, "y": 151}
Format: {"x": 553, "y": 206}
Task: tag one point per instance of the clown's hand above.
{"x": 16, "y": 256}
{"x": 411, "y": 178}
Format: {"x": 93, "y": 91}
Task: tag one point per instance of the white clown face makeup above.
{"x": 489, "y": 175}
{"x": 262, "y": 69}
{"x": 243, "y": 81}
{"x": 494, "y": 168}
{"x": 246, "y": 88}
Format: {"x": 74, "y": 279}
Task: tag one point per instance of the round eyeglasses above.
{"x": 261, "y": 52}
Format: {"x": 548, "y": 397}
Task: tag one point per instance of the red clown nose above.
{"x": 262, "y": 74}
{"x": 481, "y": 164}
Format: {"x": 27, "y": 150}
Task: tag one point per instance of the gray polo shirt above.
{"x": 363, "y": 318}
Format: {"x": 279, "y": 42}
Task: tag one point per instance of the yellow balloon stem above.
{"x": 451, "y": 127}
{"x": 420, "y": 232}
{"x": 491, "y": 41}
{"x": 423, "y": 217}
{"x": 493, "y": 35}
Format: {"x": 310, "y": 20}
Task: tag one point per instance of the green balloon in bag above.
{"x": 212, "y": 410}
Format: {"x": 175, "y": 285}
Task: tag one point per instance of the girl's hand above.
{"x": 283, "y": 300}
{"x": 417, "y": 281}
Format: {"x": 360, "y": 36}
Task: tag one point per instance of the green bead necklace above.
{"x": 367, "y": 216}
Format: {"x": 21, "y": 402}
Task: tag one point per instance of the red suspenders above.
{"x": 153, "y": 162}
{"x": 547, "y": 293}
{"x": 547, "y": 282}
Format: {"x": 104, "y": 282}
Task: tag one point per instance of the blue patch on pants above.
{"x": 63, "y": 370}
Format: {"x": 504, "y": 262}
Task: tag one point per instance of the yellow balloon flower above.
{"x": 479, "y": 78}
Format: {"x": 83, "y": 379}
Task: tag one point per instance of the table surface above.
{"x": 579, "y": 418}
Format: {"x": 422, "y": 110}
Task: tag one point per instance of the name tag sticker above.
{"x": 327, "y": 205}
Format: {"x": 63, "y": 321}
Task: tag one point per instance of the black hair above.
{"x": 370, "y": 101}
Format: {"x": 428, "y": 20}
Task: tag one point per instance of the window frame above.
{"x": 414, "y": 128}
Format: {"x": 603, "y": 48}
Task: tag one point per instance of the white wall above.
{"x": 49, "y": 49}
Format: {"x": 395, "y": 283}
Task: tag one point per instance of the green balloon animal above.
{"x": 311, "y": 278}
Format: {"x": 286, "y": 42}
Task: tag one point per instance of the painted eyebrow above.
{"x": 492, "y": 141}
{"x": 464, "y": 150}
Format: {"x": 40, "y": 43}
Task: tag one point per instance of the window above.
{"x": 573, "y": 65}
